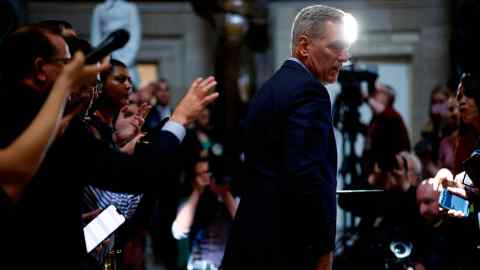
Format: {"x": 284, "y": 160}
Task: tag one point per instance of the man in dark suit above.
{"x": 287, "y": 215}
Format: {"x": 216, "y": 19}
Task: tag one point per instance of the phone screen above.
{"x": 449, "y": 200}
{"x": 101, "y": 227}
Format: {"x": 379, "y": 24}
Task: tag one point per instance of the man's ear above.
{"x": 38, "y": 72}
{"x": 302, "y": 46}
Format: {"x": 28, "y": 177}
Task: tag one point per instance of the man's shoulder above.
{"x": 289, "y": 83}
{"x": 291, "y": 75}
{"x": 294, "y": 70}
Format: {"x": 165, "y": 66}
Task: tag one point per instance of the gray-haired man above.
{"x": 287, "y": 216}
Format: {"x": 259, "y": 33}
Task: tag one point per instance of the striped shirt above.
{"x": 126, "y": 203}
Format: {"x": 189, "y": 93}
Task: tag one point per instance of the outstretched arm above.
{"x": 20, "y": 160}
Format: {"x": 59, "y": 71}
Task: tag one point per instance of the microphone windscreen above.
{"x": 116, "y": 40}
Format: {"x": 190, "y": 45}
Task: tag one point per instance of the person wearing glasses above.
{"x": 20, "y": 160}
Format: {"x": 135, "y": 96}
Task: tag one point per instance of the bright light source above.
{"x": 350, "y": 28}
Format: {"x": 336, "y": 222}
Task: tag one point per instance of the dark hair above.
{"x": 102, "y": 99}
{"x": 471, "y": 86}
{"x": 113, "y": 63}
{"x": 156, "y": 84}
{"x": 56, "y": 26}
{"x": 194, "y": 160}
{"x": 21, "y": 48}
{"x": 208, "y": 205}
{"x": 77, "y": 44}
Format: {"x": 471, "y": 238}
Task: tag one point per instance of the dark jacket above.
{"x": 287, "y": 214}
{"x": 44, "y": 227}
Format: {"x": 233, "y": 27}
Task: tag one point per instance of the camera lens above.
{"x": 401, "y": 249}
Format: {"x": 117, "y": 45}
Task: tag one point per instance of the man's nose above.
{"x": 129, "y": 85}
{"x": 344, "y": 56}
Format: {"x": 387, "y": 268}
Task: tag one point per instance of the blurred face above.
{"x": 145, "y": 95}
{"x": 51, "y": 68}
{"x": 118, "y": 86}
{"x": 163, "y": 93}
{"x": 453, "y": 115}
{"x": 381, "y": 96}
{"x": 324, "y": 55}
{"x": 439, "y": 106}
{"x": 427, "y": 200}
{"x": 399, "y": 178}
{"x": 203, "y": 120}
{"x": 202, "y": 173}
{"x": 381, "y": 179}
{"x": 467, "y": 107}
{"x": 132, "y": 98}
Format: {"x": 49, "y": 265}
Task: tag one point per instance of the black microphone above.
{"x": 116, "y": 40}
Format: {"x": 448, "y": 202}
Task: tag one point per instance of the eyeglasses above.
{"x": 61, "y": 60}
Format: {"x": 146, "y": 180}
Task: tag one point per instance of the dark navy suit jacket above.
{"x": 287, "y": 214}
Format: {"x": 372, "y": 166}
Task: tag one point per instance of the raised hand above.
{"x": 128, "y": 126}
{"x": 196, "y": 100}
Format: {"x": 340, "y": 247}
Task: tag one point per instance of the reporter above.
{"x": 205, "y": 217}
{"x": 468, "y": 97}
{"x": 46, "y": 219}
{"x": 20, "y": 160}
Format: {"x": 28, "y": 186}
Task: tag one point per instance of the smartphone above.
{"x": 101, "y": 227}
{"x": 451, "y": 201}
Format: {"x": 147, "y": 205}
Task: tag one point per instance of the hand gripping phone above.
{"x": 101, "y": 227}
{"x": 448, "y": 200}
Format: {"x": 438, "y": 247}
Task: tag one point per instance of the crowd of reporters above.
{"x": 405, "y": 227}
{"x": 77, "y": 138}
